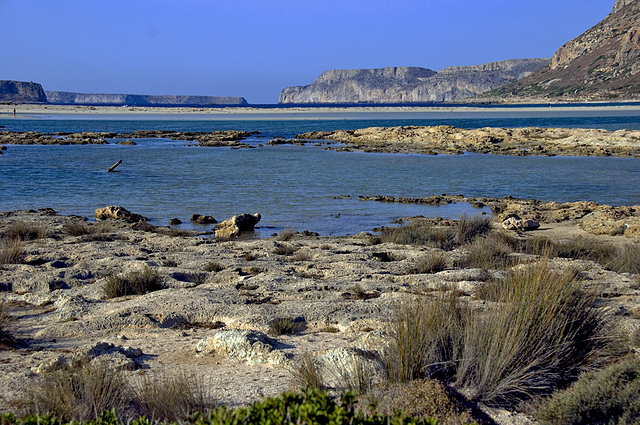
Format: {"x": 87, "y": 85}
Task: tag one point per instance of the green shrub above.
{"x": 310, "y": 407}
{"x": 133, "y": 283}
{"x": 418, "y": 233}
{"x": 610, "y": 396}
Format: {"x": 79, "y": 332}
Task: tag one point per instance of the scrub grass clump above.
{"x": 540, "y": 332}
{"x": 133, "y": 283}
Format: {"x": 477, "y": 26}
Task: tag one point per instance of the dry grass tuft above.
{"x": 7, "y": 340}
{"x": 133, "y": 283}
{"x": 306, "y": 373}
{"x": 10, "y": 251}
{"x": 286, "y": 326}
{"x": 541, "y": 333}
{"x": 172, "y": 398}
{"x": 432, "y": 262}
{"x": 26, "y": 231}
{"x": 79, "y": 394}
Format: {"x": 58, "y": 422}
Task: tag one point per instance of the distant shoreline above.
{"x": 49, "y": 111}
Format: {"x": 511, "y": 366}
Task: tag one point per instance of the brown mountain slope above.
{"x": 601, "y": 64}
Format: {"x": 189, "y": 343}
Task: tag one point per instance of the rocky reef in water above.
{"x": 410, "y": 84}
{"x": 21, "y": 92}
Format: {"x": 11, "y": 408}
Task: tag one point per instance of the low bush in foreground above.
{"x": 310, "y": 407}
{"x": 133, "y": 283}
{"x": 610, "y": 396}
{"x": 539, "y": 335}
{"x": 26, "y": 231}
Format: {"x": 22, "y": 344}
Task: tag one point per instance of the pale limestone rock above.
{"x": 233, "y": 226}
{"x": 251, "y": 347}
{"x": 115, "y": 212}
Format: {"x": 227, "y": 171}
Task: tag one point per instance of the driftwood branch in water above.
{"x": 113, "y": 167}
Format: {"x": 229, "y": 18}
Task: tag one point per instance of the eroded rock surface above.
{"x": 501, "y": 141}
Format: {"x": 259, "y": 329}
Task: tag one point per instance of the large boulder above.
{"x": 115, "y": 212}
{"x": 232, "y": 227}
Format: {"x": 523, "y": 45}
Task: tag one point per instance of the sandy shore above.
{"x": 45, "y": 111}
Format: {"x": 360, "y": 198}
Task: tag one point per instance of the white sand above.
{"x": 34, "y": 111}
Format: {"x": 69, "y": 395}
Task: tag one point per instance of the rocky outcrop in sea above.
{"x": 409, "y": 84}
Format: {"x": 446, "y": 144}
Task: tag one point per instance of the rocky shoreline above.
{"x": 220, "y": 299}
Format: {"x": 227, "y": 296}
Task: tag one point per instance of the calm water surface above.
{"x": 295, "y": 186}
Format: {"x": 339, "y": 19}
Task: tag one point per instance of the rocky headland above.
{"x": 409, "y": 84}
{"x": 601, "y": 64}
{"x": 217, "y": 303}
{"x": 500, "y": 141}
{"x": 21, "y": 92}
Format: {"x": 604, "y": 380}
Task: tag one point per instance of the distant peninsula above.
{"x": 410, "y": 84}
{"x": 30, "y": 92}
{"x": 70, "y": 98}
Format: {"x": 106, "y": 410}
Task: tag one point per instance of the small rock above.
{"x": 118, "y": 213}
{"x": 174, "y": 221}
{"x": 233, "y": 226}
{"x": 127, "y": 143}
{"x": 520, "y": 224}
{"x": 203, "y": 219}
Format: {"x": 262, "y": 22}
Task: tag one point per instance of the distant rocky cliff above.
{"x": 21, "y": 92}
{"x": 69, "y": 98}
{"x": 409, "y": 84}
{"x": 601, "y": 64}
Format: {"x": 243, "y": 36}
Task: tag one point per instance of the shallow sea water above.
{"x": 290, "y": 186}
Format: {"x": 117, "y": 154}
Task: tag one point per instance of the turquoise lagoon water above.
{"x": 304, "y": 188}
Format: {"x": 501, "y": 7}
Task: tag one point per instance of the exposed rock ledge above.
{"x": 444, "y": 139}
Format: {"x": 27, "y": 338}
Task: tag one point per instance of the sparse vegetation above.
{"x": 23, "y": 230}
{"x": 82, "y": 228}
{"x": 542, "y": 333}
{"x": 213, "y": 266}
{"x": 306, "y": 373}
{"x": 286, "y": 235}
{"x": 286, "y": 326}
{"x": 7, "y": 340}
{"x": 284, "y": 249}
{"x": 133, "y": 283}
{"x": 433, "y": 262}
{"x": 79, "y": 394}
{"x": 172, "y": 398}
{"x": 11, "y": 251}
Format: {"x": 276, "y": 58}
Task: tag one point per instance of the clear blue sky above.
{"x": 254, "y": 48}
